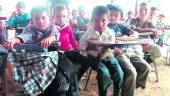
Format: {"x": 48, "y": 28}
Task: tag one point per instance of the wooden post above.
{"x": 136, "y": 7}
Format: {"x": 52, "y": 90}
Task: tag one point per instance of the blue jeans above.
{"x": 109, "y": 70}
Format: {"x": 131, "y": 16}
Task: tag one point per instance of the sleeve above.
{"x": 151, "y": 25}
{"x": 133, "y": 23}
{"x": 27, "y": 18}
{"x": 72, "y": 39}
{"x": 126, "y": 30}
{"x": 84, "y": 39}
{"x": 112, "y": 37}
{"x": 26, "y": 35}
{"x": 10, "y": 22}
{"x": 55, "y": 32}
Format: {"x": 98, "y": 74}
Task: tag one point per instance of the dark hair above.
{"x": 130, "y": 12}
{"x": 99, "y": 10}
{"x": 161, "y": 15}
{"x": 21, "y": 4}
{"x": 58, "y": 8}
{"x": 115, "y": 8}
{"x": 74, "y": 10}
{"x": 143, "y": 4}
{"x": 39, "y": 9}
{"x": 154, "y": 9}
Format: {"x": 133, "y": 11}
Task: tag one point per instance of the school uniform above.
{"x": 135, "y": 68}
{"x": 108, "y": 70}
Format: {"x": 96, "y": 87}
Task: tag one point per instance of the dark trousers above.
{"x": 66, "y": 74}
{"x": 107, "y": 71}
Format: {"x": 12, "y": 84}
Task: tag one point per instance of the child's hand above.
{"x": 156, "y": 32}
{"x": 105, "y": 54}
{"x": 10, "y": 43}
{"x": 45, "y": 43}
{"x": 117, "y": 51}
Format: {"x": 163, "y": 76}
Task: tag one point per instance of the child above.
{"x": 153, "y": 15}
{"x": 133, "y": 65}
{"x": 73, "y": 20}
{"x": 108, "y": 68}
{"x": 41, "y": 31}
{"x": 67, "y": 41}
{"x": 82, "y": 19}
{"x": 83, "y": 22}
{"x": 141, "y": 23}
{"x": 19, "y": 18}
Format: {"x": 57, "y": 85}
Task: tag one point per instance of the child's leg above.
{"x": 142, "y": 68}
{"x": 129, "y": 83}
{"x": 116, "y": 73}
{"x": 103, "y": 78}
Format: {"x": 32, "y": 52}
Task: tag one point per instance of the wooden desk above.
{"x": 137, "y": 41}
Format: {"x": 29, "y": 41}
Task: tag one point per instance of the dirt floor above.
{"x": 153, "y": 88}
{"x": 161, "y": 88}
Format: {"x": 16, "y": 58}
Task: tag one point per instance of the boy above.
{"x": 108, "y": 68}
{"x": 153, "y": 15}
{"x": 135, "y": 68}
{"x": 73, "y": 20}
{"x": 141, "y": 23}
{"x": 19, "y": 18}
{"x": 41, "y": 31}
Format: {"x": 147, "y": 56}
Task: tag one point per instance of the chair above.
{"x": 150, "y": 61}
{"x": 87, "y": 79}
{"x": 156, "y": 71}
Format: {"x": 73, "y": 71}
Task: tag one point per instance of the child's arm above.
{"x": 45, "y": 43}
{"x": 72, "y": 39}
{"x": 106, "y": 54}
{"x": 84, "y": 39}
{"x": 9, "y": 44}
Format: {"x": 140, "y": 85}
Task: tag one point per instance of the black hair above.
{"x": 21, "y": 4}
{"x": 115, "y": 8}
{"x": 154, "y": 9}
{"x": 59, "y": 8}
{"x": 130, "y": 12}
{"x": 39, "y": 9}
{"x": 99, "y": 10}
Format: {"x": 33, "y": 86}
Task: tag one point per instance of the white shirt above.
{"x": 106, "y": 36}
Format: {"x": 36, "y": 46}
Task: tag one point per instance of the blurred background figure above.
{"x": 153, "y": 13}
{"x": 128, "y": 18}
{"x": 82, "y": 19}
{"x": 2, "y": 30}
{"x": 130, "y": 15}
{"x": 160, "y": 21}
{"x": 73, "y": 20}
{"x": 19, "y": 18}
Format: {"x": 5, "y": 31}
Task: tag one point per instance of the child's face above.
{"x": 100, "y": 22}
{"x": 20, "y": 9}
{"x": 115, "y": 16}
{"x": 74, "y": 14}
{"x": 60, "y": 18}
{"x": 41, "y": 21}
{"x": 153, "y": 13}
{"x": 130, "y": 15}
{"x": 143, "y": 11}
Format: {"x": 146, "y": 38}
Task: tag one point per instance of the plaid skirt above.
{"x": 33, "y": 71}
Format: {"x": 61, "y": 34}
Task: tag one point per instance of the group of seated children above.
{"x": 126, "y": 72}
